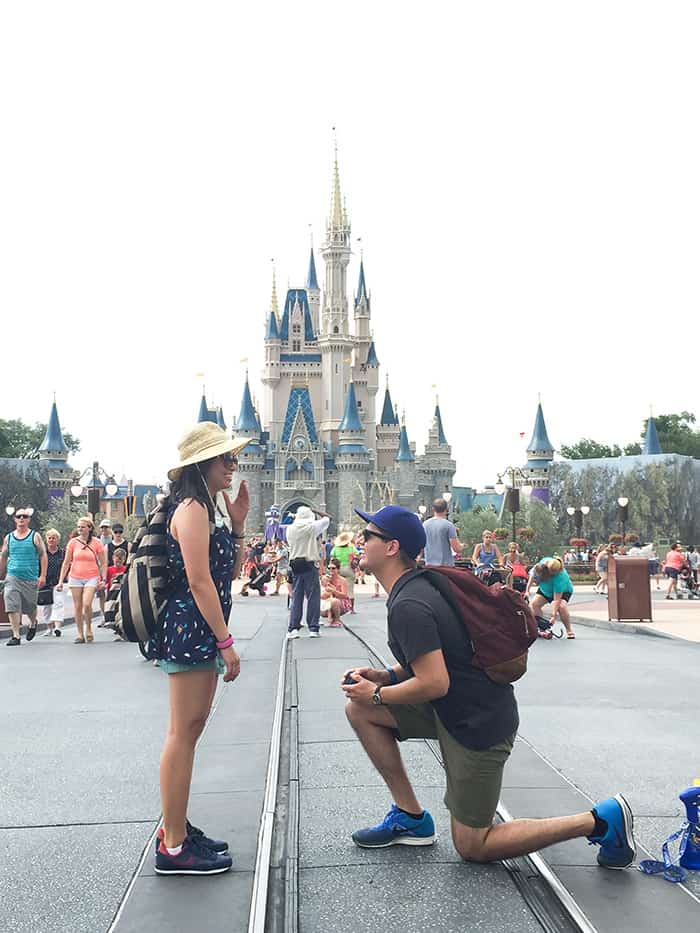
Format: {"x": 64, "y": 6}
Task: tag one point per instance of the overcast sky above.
{"x": 524, "y": 178}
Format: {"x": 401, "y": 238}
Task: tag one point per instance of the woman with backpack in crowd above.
{"x": 195, "y": 645}
{"x": 85, "y": 565}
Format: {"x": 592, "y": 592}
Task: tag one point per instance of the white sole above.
{"x": 401, "y": 841}
{"x": 214, "y": 871}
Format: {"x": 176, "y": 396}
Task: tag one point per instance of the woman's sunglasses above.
{"x": 375, "y": 534}
{"x": 229, "y": 459}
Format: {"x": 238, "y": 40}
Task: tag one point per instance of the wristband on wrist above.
{"x": 393, "y": 679}
{"x": 226, "y": 643}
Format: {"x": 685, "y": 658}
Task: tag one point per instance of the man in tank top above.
{"x": 23, "y": 565}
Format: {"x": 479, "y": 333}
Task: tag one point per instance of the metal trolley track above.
{"x": 274, "y": 904}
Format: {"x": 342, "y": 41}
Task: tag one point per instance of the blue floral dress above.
{"x": 187, "y": 639}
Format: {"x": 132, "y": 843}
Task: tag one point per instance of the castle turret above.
{"x": 436, "y": 468}
{"x": 273, "y": 349}
{"x": 388, "y": 435}
{"x": 314, "y": 293}
{"x": 405, "y": 464}
{"x": 540, "y": 454}
{"x": 335, "y": 343}
{"x": 251, "y": 459}
{"x": 351, "y": 461}
{"x": 651, "y": 439}
{"x": 54, "y": 453}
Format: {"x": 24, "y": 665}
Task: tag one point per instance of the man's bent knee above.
{"x": 469, "y": 842}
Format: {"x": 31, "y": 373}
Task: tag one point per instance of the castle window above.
{"x": 296, "y": 346}
{"x": 336, "y": 369}
{"x": 335, "y": 329}
{"x": 359, "y": 403}
{"x": 296, "y": 328}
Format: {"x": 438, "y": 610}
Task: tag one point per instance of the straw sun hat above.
{"x": 204, "y": 442}
{"x": 343, "y": 539}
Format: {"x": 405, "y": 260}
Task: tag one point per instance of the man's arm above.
{"x": 3, "y": 558}
{"x": 321, "y": 524}
{"x": 43, "y": 558}
{"x": 457, "y": 545}
{"x": 430, "y": 682}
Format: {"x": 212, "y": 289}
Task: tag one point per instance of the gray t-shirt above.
{"x": 438, "y": 533}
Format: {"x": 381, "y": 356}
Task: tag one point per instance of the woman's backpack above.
{"x": 136, "y": 600}
{"x": 500, "y": 624}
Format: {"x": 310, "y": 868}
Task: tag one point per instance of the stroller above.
{"x": 687, "y": 587}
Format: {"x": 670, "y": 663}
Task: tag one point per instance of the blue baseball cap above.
{"x": 404, "y": 526}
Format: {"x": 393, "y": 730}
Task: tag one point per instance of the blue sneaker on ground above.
{"x": 397, "y": 829}
{"x": 194, "y": 859}
{"x": 617, "y": 846}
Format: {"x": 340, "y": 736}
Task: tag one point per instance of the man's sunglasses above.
{"x": 375, "y": 534}
{"x": 229, "y": 459}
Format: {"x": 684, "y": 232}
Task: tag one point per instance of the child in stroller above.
{"x": 687, "y": 587}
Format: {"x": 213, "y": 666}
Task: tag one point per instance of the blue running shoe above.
{"x": 397, "y": 829}
{"x": 617, "y": 846}
{"x": 194, "y": 859}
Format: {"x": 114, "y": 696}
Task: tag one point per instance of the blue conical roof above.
{"x": 388, "y": 418}
{"x": 372, "y": 356}
{"x": 203, "y": 409}
{"x": 361, "y": 285}
{"x": 351, "y": 418}
{"x": 311, "y": 280}
{"x": 441, "y": 434}
{"x": 651, "y": 439}
{"x": 53, "y": 440}
{"x": 247, "y": 419}
{"x": 220, "y": 418}
{"x": 539, "y": 440}
{"x": 404, "y": 454}
{"x": 273, "y": 331}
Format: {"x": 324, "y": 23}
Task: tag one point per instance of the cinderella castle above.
{"x": 319, "y": 441}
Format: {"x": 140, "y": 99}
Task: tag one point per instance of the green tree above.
{"x": 20, "y": 440}
{"x": 63, "y": 515}
{"x": 677, "y": 434}
{"x": 547, "y": 539}
{"x": 588, "y": 449}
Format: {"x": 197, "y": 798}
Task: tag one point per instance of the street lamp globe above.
{"x": 570, "y": 510}
{"x": 585, "y": 509}
{"x": 526, "y": 489}
{"x": 76, "y": 490}
{"x": 447, "y": 496}
{"x": 10, "y": 509}
{"x": 623, "y": 501}
{"x": 500, "y": 487}
{"x": 422, "y": 509}
{"x": 111, "y": 488}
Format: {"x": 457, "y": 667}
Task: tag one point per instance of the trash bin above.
{"x": 629, "y": 593}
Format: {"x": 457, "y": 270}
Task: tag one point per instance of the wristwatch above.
{"x": 377, "y": 696}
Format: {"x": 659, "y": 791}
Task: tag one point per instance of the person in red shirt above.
{"x": 117, "y": 568}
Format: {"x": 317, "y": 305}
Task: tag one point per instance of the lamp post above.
{"x": 577, "y": 514}
{"x": 422, "y": 510}
{"x": 622, "y": 511}
{"x": 512, "y": 503}
{"x": 111, "y": 488}
{"x": 447, "y": 496}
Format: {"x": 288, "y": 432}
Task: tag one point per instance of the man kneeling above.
{"x": 435, "y": 692}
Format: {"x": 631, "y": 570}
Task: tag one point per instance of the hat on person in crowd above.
{"x": 204, "y": 442}
{"x": 304, "y": 516}
{"x": 343, "y": 539}
{"x": 402, "y": 525}
{"x": 105, "y": 523}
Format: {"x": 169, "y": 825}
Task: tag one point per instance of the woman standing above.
{"x": 52, "y": 614}
{"x": 601, "y": 568}
{"x": 195, "y": 647}
{"x": 344, "y": 552}
{"x": 336, "y": 591}
{"x": 85, "y": 565}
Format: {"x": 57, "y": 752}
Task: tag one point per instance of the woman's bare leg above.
{"x": 77, "y": 593}
{"x": 88, "y": 596}
{"x": 191, "y": 696}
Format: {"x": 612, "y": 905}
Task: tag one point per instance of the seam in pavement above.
{"x": 67, "y": 825}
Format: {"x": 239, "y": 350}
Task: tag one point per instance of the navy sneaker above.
{"x": 617, "y": 846}
{"x": 218, "y": 845}
{"x": 397, "y": 828}
{"x": 194, "y": 859}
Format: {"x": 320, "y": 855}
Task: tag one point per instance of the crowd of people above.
{"x": 36, "y": 572}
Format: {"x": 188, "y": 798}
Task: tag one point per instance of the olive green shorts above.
{"x": 473, "y": 777}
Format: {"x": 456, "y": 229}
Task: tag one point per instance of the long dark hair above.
{"x": 190, "y": 484}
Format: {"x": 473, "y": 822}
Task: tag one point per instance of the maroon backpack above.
{"x": 500, "y": 624}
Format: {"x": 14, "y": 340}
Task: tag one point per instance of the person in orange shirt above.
{"x": 673, "y": 562}
{"x": 86, "y": 559}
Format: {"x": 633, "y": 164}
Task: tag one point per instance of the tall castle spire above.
{"x": 651, "y": 439}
